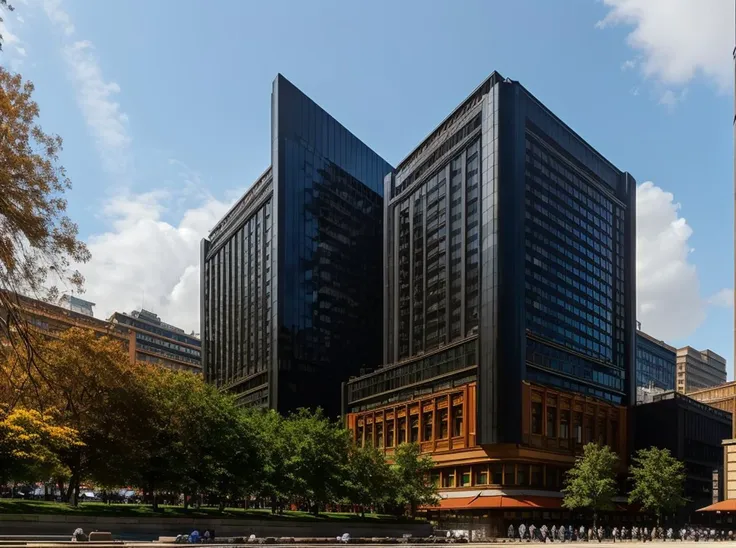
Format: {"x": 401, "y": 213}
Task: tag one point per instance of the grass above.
{"x": 18, "y": 506}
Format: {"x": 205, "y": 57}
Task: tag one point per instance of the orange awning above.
{"x": 499, "y": 502}
{"x": 723, "y": 506}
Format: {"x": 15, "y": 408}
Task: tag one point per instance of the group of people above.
{"x": 615, "y": 534}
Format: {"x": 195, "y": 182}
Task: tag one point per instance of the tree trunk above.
{"x": 595, "y": 522}
{"x": 221, "y": 506}
{"x": 62, "y": 491}
{"x": 152, "y": 490}
{"x": 75, "y": 500}
{"x": 186, "y": 501}
{"x": 362, "y": 511}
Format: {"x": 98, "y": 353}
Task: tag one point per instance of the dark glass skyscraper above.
{"x": 509, "y": 245}
{"x": 292, "y": 274}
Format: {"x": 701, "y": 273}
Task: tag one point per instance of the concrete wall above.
{"x": 152, "y": 528}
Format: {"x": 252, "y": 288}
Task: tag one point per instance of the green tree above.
{"x": 368, "y": 478}
{"x": 275, "y": 449}
{"x": 412, "y": 482}
{"x": 591, "y": 483}
{"x": 659, "y": 482}
{"x": 317, "y": 458}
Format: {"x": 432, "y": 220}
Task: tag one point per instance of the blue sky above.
{"x": 164, "y": 111}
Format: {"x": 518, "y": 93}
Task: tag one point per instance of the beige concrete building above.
{"x": 697, "y": 369}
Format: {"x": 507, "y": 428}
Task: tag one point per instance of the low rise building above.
{"x": 161, "y": 343}
{"x": 693, "y": 432}
{"x": 697, "y": 369}
{"x": 51, "y": 320}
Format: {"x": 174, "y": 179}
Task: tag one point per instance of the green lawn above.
{"x": 17, "y": 506}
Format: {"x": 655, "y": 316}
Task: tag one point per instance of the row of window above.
{"x": 500, "y": 474}
{"x": 549, "y": 357}
{"x": 195, "y": 352}
{"x": 428, "y": 293}
{"x": 425, "y": 426}
{"x": 237, "y": 294}
{"x": 555, "y": 421}
{"x": 417, "y": 371}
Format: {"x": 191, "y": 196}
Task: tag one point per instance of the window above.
{"x": 457, "y": 420}
{"x": 379, "y": 434}
{"x": 464, "y": 476}
{"x": 402, "y": 430}
{"x": 552, "y": 480}
{"x": 481, "y": 475}
{"x": 522, "y": 471}
{"x": 427, "y": 426}
{"x": 509, "y": 474}
{"x": 614, "y": 435}
{"x": 448, "y": 477}
{"x": 369, "y": 434}
{"x": 390, "y": 434}
{"x": 588, "y": 428}
{"x": 497, "y": 473}
{"x": 536, "y": 417}
{"x": 564, "y": 424}
{"x": 551, "y": 422}
{"x": 414, "y": 433}
{"x": 578, "y": 427}
{"x": 443, "y": 423}
{"x": 435, "y": 477}
{"x": 602, "y": 431}
{"x": 536, "y": 475}
{"x": 359, "y": 436}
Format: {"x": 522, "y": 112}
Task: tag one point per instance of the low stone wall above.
{"x": 152, "y": 528}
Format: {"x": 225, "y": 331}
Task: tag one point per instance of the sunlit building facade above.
{"x": 509, "y": 328}
{"x": 161, "y": 343}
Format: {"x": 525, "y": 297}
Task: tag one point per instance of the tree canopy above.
{"x": 84, "y": 413}
{"x": 658, "y": 481}
{"x": 412, "y": 475}
{"x": 591, "y": 483}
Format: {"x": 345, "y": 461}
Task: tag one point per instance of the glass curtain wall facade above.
{"x": 509, "y": 248}
{"x": 311, "y": 274}
{"x": 655, "y": 363}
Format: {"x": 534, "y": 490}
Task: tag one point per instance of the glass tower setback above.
{"x": 655, "y": 363}
{"x": 313, "y": 267}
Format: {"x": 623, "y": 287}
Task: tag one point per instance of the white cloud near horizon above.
{"x": 677, "y": 41}
{"x": 143, "y": 260}
{"x": 669, "y": 301}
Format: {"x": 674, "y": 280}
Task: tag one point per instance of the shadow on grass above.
{"x": 17, "y": 506}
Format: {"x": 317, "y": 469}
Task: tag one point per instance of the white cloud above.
{"x": 103, "y": 115}
{"x": 669, "y": 304}
{"x": 13, "y": 46}
{"x": 722, "y": 299}
{"x": 628, "y": 64}
{"x": 144, "y": 260}
{"x": 678, "y": 40}
{"x": 58, "y": 16}
{"x": 670, "y": 99}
